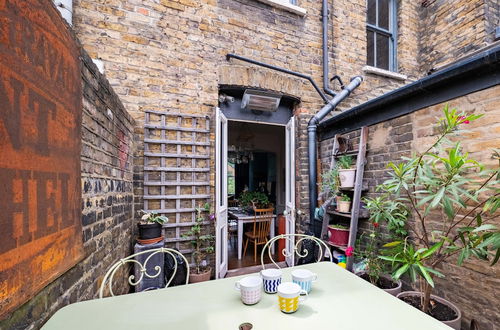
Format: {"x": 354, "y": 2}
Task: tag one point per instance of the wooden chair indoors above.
{"x": 261, "y": 229}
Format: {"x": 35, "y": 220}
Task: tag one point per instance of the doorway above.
{"x": 251, "y": 157}
{"x": 256, "y": 167}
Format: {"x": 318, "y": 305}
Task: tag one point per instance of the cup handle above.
{"x": 237, "y": 286}
{"x": 303, "y": 295}
{"x": 314, "y": 277}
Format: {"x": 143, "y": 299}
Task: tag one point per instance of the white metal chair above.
{"x": 108, "y": 278}
{"x": 324, "y": 250}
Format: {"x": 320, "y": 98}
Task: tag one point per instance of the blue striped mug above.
{"x": 271, "y": 279}
{"x": 304, "y": 278}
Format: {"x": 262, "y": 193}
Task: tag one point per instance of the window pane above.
{"x": 371, "y": 12}
{"x": 383, "y": 14}
{"x": 382, "y": 52}
{"x": 370, "y": 48}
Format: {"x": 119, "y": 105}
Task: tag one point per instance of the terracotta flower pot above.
{"x": 346, "y": 177}
{"x": 455, "y": 323}
{"x": 344, "y": 206}
{"x": 201, "y": 277}
{"x": 338, "y": 236}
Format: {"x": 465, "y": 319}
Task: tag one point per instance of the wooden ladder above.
{"x": 358, "y": 188}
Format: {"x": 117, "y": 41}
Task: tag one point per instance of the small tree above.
{"x": 442, "y": 180}
{"x": 202, "y": 243}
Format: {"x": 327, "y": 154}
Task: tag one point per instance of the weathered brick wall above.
{"x": 107, "y": 209}
{"x": 170, "y": 55}
{"x": 473, "y": 288}
{"x": 451, "y": 29}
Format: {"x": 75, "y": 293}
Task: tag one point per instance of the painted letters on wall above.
{"x": 40, "y": 119}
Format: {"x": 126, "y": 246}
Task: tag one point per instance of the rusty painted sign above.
{"x": 40, "y": 119}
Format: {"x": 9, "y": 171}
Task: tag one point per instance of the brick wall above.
{"x": 107, "y": 210}
{"x": 466, "y": 20}
{"x": 170, "y": 55}
{"x": 470, "y": 287}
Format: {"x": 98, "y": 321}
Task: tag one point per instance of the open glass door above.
{"x": 220, "y": 194}
{"x": 290, "y": 188}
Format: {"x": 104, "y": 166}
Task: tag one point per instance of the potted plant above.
{"x": 254, "y": 199}
{"x": 338, "y": 234}
{"x": 331, "y": 184}
{"x": 442, "y": 183}
{"x": 344, "y": 204}
{"x": 346, "y": 173}
{"x": 150, "y": 225}
{"x": 375, "y": 270}
{"x": 202, "y": 246}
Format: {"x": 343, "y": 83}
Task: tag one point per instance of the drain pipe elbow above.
{"x": 312, "y": 140}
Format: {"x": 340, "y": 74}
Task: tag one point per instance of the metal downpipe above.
{"x": 312, "y": 140}
{"x": 324, "y": 18}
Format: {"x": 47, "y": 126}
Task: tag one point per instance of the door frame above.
{"x": 221, "y": 199}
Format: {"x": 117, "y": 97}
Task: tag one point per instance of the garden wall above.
{"x": 473, "y": 287}
{"x": 107, "y": 197}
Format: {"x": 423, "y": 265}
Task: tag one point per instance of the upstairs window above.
{"x": 381, "y": 36}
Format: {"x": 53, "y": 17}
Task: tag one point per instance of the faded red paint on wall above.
{"x": 40, "y": 119}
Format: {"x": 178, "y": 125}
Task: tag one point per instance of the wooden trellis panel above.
{"x": 176, "y": 170}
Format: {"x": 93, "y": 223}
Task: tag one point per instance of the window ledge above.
{"x": 384, "y": 73}
{"x": 285, "y": 5}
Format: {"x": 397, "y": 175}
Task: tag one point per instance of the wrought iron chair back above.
{"x": 108, "y": 278}
{"x": 290, "y": 238}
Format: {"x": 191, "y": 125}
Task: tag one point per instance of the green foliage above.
{"x": 202, "y": 243}
{"x": 254, "y": 198}
{"x": 339, "y": 226}
{"x": 388, "y": 209}
{"x": 345, "y": 198}
{"x": 345, "y": 162}
{"x": 330, "y": 181}
{"x": 442, "y": 180}
{"x": 153, "y": 217}
{"x": 375, "y": 266}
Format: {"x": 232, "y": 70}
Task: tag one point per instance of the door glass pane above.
{"x": 370, "y": 48}
{"x": 371, "y": 12}
{"x": 382, "y": 51}
{"x": 222, "y": 149}
{"x": 383, "y": 14}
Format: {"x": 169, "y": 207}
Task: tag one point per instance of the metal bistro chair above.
{"x": 324, "y": 250}
{"x": 261, "y": 230}
{"x": 108, "y": 278}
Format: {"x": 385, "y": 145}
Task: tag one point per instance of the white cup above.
{"x": 272, "y": 278}
{"x": 304, "y": 278}
{"x": 250, "y": 288}
{"x": 289, "y": 296}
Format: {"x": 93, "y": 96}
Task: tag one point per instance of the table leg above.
{"x": 240, "y": 238}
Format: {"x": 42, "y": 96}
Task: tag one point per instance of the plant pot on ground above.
{"x": 200, "y": 277}
{"x": 344, "y": 204}
{"x": 385, "y": 282}
{"x": 441, "y": 309}
{"x": 338, "y": 234}
{"x": 150, "y": 225}
{"x": 346, "y": 173}
{"x": 202, "y": 244}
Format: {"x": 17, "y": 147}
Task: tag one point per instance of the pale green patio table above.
{"x": 339, "y": 300}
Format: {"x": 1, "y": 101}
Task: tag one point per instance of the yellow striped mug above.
{"x": 289, "y": 296}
